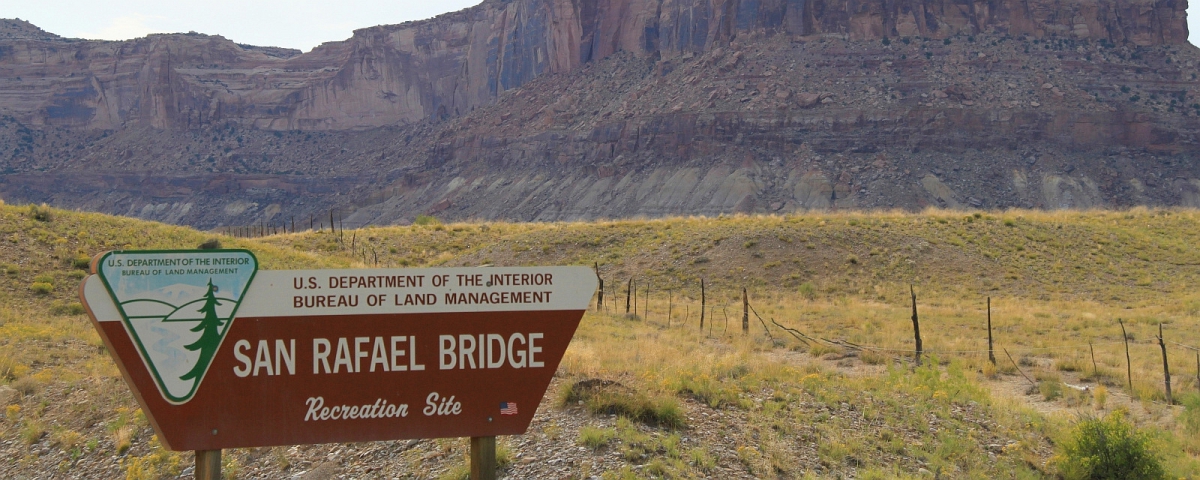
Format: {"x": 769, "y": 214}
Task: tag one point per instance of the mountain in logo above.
{"x": 177, "y": 307}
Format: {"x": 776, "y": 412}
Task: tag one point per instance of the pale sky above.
{"x": 300, "y": 24}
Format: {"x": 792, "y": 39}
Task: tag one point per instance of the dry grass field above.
{"x": 661, "y": 397}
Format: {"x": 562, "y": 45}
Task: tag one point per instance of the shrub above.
{"x": 702, "y": 460}
{"x": 1191, "y": 415}
{"x": 594, "y": 438}
{"x": 41, "y": 288}
{"x": 211, "y": 244}
{"x": 808, "y": 291}
{"x": 1108, "y": 448}
{"x": 10, "y": 269}
{"x": 81, "y": 262}
{"x": 603, "y": 396}
{"x": 41, "y": 213}
{"x": 426, "y": 220}
{"x": 67, "y": 308}
{"x": 1100, "y": 396}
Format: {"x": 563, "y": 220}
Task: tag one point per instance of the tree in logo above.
{"x": 210, "y": 336}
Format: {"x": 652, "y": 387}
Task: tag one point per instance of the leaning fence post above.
{"x": 991, "y": 351}
{"x": 1128, "y": 362}
{"x": 916, "y": 323}
{"x": 702, "y": 304}
{"x": 1014, "y": 362}
{"x": 1197, "y": 369}
{"x": 1095, "y": 368}
{"x": 1166, "y": 367}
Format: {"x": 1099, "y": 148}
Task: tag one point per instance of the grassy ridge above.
{"x": 1125, "y": 257}
{"x": 1058, "y": 281}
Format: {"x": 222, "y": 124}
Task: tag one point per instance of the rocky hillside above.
{"x": 532, "y": 109}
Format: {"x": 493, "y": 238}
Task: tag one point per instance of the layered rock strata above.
{"x": 562, "y": 110}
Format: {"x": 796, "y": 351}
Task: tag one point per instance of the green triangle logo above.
{"x": 177, "y": 306}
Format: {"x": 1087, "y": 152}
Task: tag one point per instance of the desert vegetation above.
{"x": 649, "y": 393}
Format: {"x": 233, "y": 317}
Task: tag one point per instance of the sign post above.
{"x": 222, "y": 355}
{"x": 208, "y": 465}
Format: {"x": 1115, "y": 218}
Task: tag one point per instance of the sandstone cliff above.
{"x": 552, "y": 110}
{"x": 452, "y": 64}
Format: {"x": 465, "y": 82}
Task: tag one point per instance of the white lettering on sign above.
{"x": 285, "y": 358}
{"x": 380, "y": 409}
{"x": 367, "y": 351}
{"x": 438, "y": 405}
{"x": 485, "y": 298}
{"x": 488, "y": 351}
{"x": 377, "y": 281}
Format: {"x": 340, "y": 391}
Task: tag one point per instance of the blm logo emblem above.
{"x": 176, "y": 307}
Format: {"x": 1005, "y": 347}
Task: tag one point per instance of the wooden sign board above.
{"x": 222, "y": 355}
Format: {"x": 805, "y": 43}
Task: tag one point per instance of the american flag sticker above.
{"x": 508, "y": 408}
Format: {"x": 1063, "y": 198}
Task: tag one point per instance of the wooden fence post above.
{"x": 483, "y": 458}
{"x": 1166, "y": 368}
{"x": 702, "y": 304}
{"x": 1197, "y": 369}
{"x": 916, "y": 322}
{"x": 647, "y": 309}
{"x": 208, "y": 465}
{"x": 991, "y": 350}
{"x": 670, "y": 305}
{"x": 629, "y": 289}
{"x": 1095, "y": 368}
{"x": 600, "y": 294}
{"x": 1014, "y": 362}
{"x": 745, "y": 312}
{"x": 634, "y": 291}
{"x": 1128, "y": 362}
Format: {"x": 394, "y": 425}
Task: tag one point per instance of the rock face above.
{"x": 459, "y": 61}
{"x": 561, "y": 109}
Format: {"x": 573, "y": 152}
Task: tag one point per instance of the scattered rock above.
{"x": 8, "y": 395}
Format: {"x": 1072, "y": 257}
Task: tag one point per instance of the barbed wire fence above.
{"x": 903, "y": 355}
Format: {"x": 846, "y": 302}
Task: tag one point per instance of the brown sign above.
{"x": 318, "y": 356}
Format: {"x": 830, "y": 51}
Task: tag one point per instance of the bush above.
{"x": 1108, "y": 448}
{"x": 41, "y": 213}
{"x": 41, "y": 288}
{"x": 1191, "y": 414}
{"x": 1050, "y": 389}
{"x": 426, "y": 220}
{"x": 608, "y": 397}
{"x": 211, "y": 244}
{"x": 808, "y": 291}
{"x": 67, "y": 308}
{"x": 594, "y": 438}
{"x": 81, "y": 262}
